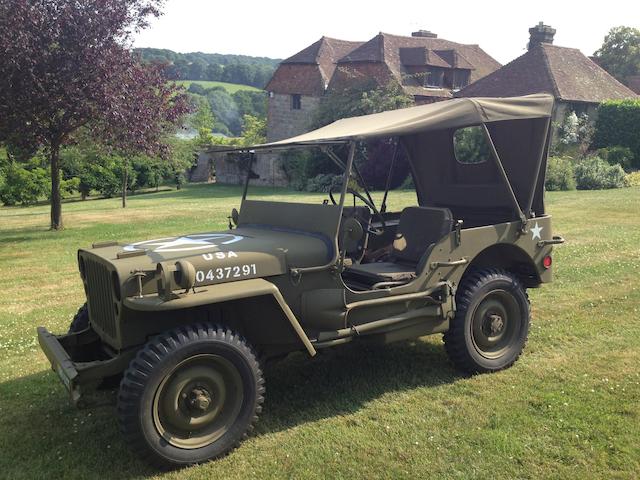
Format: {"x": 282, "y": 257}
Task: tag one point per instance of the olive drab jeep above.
{"x": 186, "y": 321}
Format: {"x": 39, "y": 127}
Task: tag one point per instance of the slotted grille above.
{"x": 100, "y": 297}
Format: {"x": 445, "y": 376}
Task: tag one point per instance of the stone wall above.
{"x": 223, "y": 169}
{"x": 203, "y": 171}
{"x": 283, "y": 121}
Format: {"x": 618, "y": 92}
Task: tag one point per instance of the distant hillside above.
{"x": 207, "y": 84}
{"x": 240, "y": 69}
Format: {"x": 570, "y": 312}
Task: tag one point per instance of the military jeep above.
{"x": 185, "y": 322}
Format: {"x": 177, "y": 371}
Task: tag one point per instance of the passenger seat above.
{"x": 419, "y": 229}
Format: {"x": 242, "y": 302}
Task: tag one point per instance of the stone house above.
{"x": 577, "y": 83}
{"x": 428, "y": 68}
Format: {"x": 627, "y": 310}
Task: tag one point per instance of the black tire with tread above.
{"x": 457, "y": 340}
{"x": 80, "y": 320}
{"x": 148, "y": 369}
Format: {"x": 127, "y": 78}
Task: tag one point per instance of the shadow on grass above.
{"x": 53, "y": 439}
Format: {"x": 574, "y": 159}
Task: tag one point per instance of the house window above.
{"x": 296, "y": 101}
{"x": 433, "y": 78}
{"x": 460, "y": 79}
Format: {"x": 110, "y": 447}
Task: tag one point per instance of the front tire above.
{"x": 190, "y": 395}
{"x": 491, "y": 324}
{"x": 80, "y": 320}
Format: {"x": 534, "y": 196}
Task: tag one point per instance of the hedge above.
{"x": 618, "y": 123}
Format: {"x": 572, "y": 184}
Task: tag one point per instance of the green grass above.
{"x": 568, "y": 409}
{"x": 229, "y": 87}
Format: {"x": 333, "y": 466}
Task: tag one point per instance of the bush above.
{"x": 408, "y": 183}
{"x": 573, "y": 135}
{"x": 618, "y": 123}
{"x": 633, "y": 179}
{"x": 22, "y": 186}
{"x": 324, "y": 182}
{"x": 593, "y": 173}
{"x": 301, "y": 166}
{"x": 617, "y": 155}
{"x": 560, "y": 174}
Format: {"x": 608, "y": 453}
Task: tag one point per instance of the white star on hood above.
{"x": 185, "y": 243}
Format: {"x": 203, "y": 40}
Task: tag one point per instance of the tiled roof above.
{"x": 393, "y": 51}
{"x": 419, "y": 56}
{"x": 564, "y": 72}
{"x": 318, "y": 60}
{"x": 386, "y": 48}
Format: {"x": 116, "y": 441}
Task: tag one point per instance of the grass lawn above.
{"x": 229, "y": 87}
{"x": 568, "y": 409}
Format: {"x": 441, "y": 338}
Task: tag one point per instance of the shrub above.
{"x": 617, "y": 155}
{"x": 633, "y": 179}
{"x": 407, "y": 184}
{"x": 301, "y": 166}
{"x": 573, "y": 135}
{"x": 324, "y": 182}
{"x": 22, "y": 186}
{"x": 593, "y": 173}
{"x": 618, "y": 123}
{"x": 560, "y": 174}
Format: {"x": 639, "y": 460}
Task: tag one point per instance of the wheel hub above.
{"x": 496, "y": 324}
{"x": 199, "y": 400}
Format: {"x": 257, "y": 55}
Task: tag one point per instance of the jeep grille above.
{"x": 100, "y": 297}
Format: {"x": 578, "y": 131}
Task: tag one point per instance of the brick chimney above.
{"x": 541, "y": 33}
{"x": 425, "y": 34}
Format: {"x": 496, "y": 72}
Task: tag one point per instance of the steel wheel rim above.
{"x": 495, "y": 324}
{"x": 198, "y": 401}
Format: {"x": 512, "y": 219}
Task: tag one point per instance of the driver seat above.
{"x": 419, "y": 229}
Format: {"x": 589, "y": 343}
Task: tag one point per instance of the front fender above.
{"x": 224, "y": 292}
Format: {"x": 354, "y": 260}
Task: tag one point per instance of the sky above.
{"x": 278, "y": 29}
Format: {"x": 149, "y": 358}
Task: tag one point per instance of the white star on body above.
{"x": 186, "y": 243}
{"x": 535, "y": 231}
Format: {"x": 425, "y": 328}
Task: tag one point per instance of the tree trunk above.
{"x": 124, "y": 185}
{"x": 56, "y": 200}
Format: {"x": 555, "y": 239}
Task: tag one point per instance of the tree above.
{"x": 620, "y": 53}
{"x": 214, "y": 72}
{"x": 225, "y": 110}
{"x": 254, "y": 131}
{"x": 374, "y": 159}
{"x": 65, "y": 64}
{"x": 197, "y": 70}
{"x": 362, "y": 99}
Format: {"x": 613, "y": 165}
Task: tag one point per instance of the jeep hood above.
{"x": 217, "y": 257}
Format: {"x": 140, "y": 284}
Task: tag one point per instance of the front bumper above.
{"x": 81, "y": 361}
{"x": 61, "y": 363}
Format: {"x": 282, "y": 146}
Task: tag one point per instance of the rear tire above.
{"x": 190, "y": 395}
{"x": 491, "y": 325}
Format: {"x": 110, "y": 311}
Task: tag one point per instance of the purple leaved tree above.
{"x": 66, "y": 64}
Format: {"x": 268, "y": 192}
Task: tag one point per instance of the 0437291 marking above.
{"x": 222, "y": 273}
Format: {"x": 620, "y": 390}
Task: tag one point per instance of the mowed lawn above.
{"x": 570, "y": 407}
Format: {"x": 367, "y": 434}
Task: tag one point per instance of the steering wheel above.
{"x": 365, "y": 200}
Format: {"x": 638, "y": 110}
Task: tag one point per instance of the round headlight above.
{"x": 185, "y": 274}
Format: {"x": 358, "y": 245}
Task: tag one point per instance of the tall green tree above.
{"x": 66, "y": 64}
{"x": 374, "y": 158}
{"x": 362, "y": 99}
{"x": 620, "y": 53}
